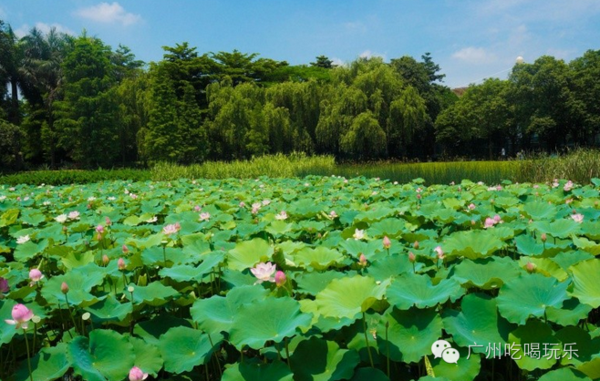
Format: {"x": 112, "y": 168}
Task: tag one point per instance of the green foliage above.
{"x": 11, "y": 138}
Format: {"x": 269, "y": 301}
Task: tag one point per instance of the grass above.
{"x": 580, "y": 166}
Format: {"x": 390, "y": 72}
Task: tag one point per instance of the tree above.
{"x": 365, "y": 139}
{"x": 323, "y": 61}
{"x": 242, "y": 67}
{"x": 87, "y": 124}
{"x": 11, "y": 58}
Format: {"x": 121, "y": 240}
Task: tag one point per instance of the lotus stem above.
{"x": 387, "y": 326}
{"x": 28, "y": 355}
{"x": 367, "y": 340}
{"x": 287, "y": 353}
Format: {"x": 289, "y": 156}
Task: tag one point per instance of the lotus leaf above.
{"x": 348, "y": 297}
{"x": 183, "y": 348}
{"x": 418, "y": 290}
{"x": 319, "y": 360}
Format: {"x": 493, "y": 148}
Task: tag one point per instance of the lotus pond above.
{"x": 319, "y": 278}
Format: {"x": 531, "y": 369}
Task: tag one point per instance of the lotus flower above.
{"x": 136, "y": 374}
{"x": 530, "y": 267}
{"x": 472, "y": 206}
{"x": 358, "y": 234}
{"x": 74, "y": 215}
{"x": 281, "y": 216}
{"x": 121, "y": 264}
{"x": 280, "y": 278}
{"x": 20, "y": 316}
{"x": 22, "y": 239}
{"x": 577, "y": 217}
{"x": 362, "y": 260}
{"x": 4, "y": 285}
{"x": 171, "y": 228}
{"x": 568, "y": 186}
{"x": 100, "y": 229}
{"x": 61, "y": 218}
{"x": 204, "y": 216}
{"x": 35, "y": 275}
{"x": 439, "y": 251}
{"x": 333, "y": 214}
{"x": 264, "y": 272}
{"x": 489, "y": 223}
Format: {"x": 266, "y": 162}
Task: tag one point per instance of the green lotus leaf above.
{"x": 371, "y": 374}
{"x": 539, "y": 210}
{"x": 32, "y": 218}
{"x": 567, "y": 259}
{"x": 534, "y": 346}
{"x": 409, "y": 333}
{"x": 472, "y": 244}
{"x": 591, "y": 368}
{"x": 255, "y": 371}
{"x": 147, "y": 356}
{"x": 80, "y": 282}
{"x": 546, "y": 267}
{"x": 319, "y": 360}
{"x": 77, "y": 259}
{"x": 183, "y": 348}
{"x": 478, "y": 323}
{"x": 314, "y": 282}
{"x": 216, "y": 314}
{"x": 454, "y": 203}
{"x": 109, "y": 309}
{"x": 587, "y": 245}
{"x": 319, "y": 258}
{"x": 578, "y": 346}
{"x": 356, "y": 247}
{"x": 151, "y": 330}
{"x": 9, "y": 217}
{"x": 155, "y": 294}
{"x": 322, "y": 323}
{"x": 433, "y": 378}
{"x": 486, "y": 273}
{"x": 563, "y": 374}
{"x": 571, "y": 313}
{"x": 265, "y": 320}
{"x": 28, "y": 250}
{"x": 391, "y": 227}
{"x": 186, "y": 273}
{"x": 562, "y": 228}
{"x": 530, "y": 295}
{"x": 379, "y": 212}
{"x": 591, "y": 229}
{"x": 147, "y": 242}
{"x": 134, "y": 220}
{"x": 348, "y": 297}
{"x": 392, "y": 266}
{"x": 527, "y": 245}
{"x": 466, "y": 368}
{"x": 155, "y": 256}
{"x": 278, "y": 228}
{"x": 49, "y": 363}
{"x": 418, "y": 290}
{"x": 105, "y": 355}
{"x": 248, "y": 253}
{"x": 585, "y": 279}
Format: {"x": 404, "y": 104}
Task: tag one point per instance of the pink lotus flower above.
{"x": 4, "y": 285}
{"x": 387, "y": 243}
{"x": 171, "y": 228}
{"x": 136, "y": 374}
{"x": 568, "y": 186}
{"x": 530, "y": 267}
{"x": 489, "y": 223}
{"x": 204, "y": 216}
{"x": 242, "y": 204}
{"x": 20, "y": 316}
{"x": 197, "y": 208}
{"x": 264, "y": 272}
{"x": 121, "y": 264}
{"x": 74, "y": 215}
{"x": 35, "y": 275}
{"x": 333, "y": 214}
{"x": 577, "y": 217}
{"x": 280, "y": 278}
{"x": 471, "y": 206}
{"x": 439, "y": 252}
{"x": 64, "y": 288}
{"x": 100, "y": 229}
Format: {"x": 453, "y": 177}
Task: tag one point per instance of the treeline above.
{"x": 74, "y": 101}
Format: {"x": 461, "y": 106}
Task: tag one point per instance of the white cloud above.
{"x": 475, "y": 56}
{"x": 24, "y": 29}
{"x": 369, "y": 54}
{"x": 337, "y": 62}
{"x": 109, "y": 14}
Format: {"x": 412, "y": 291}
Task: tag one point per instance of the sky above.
{"x": 469, "y": 39}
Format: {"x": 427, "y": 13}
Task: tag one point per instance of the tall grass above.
{"x": 295, "y": 165}
{"x": 580, "y": 165}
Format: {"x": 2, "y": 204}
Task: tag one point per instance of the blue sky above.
{"x": 469, "y": 39}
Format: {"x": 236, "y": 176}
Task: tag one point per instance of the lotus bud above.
{"x": 280, "y": 278}
{"x": 105, "y": 260}
{"x": 108, "y": 221}
{"x": 136, "y": 374}
{"x": 387, "y": 243}
{"x": 35, "y": 275}
{"x": 416, "y": 245}
{"x": 121, "y": 264}
{"x": 544, "y": 237}
{"x": 362, "y": 260}
{"x": 411, "y": 257}
{"x": 530, "y": 267}
{"x": 125, "y": 249}
{"x": 64, "y": 288}
{"x": 4, "y": 285}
